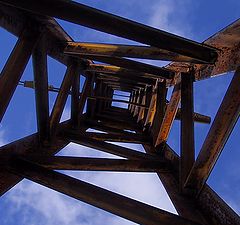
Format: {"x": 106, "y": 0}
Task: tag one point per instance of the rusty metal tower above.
{"x": 149, "y": 114}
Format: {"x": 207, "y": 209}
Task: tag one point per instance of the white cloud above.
{"x": 39, "y": 205}
{"x": 171, "y": 16}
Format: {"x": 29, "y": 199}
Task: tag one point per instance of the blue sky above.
{"x": 31, "y": 204}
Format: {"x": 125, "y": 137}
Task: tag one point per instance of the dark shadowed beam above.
{"x": 90, "y": 102}
{"x": 96, "y": 92}
{"x": 85, "y": 92}
{"x": 121, "y": 120}
{"x": 147, "y": 102}
{"x": 24, "y": 146}
{"x": 169, "y": 116}
{"x": 122, "y": 77}
{"x": 130, "y": 100}
{"x": 108, "y": 69}
{"x": 94, "y": 124}
{"x": 210, "y": 205}
{"x": 223, "y": 124}
{"x": 129, "y": 51}
{"x": 133, "y": 100}
{"x": 75, "y": 100}
{"x": 123, "y": 137}
{"x": 184, "y": 205}
{"x": 122, "y": 83}
{"x": 122, "y": 87}
{"x": 118, "y": 88}
{"x": 11, "y": 75}
{"x": 97, "y": 164}
{"x": 197, "y": 117}
{"x": 98, "y": 197}
{"x": 71, "y": 72}
{"x": 132, "y": 65}
{"x": 143, "y": 102}
{"x": 116, "y": 124}
{"x": 106, "y": 22}
{"x": 15, "y": 21}
{"x": 187, "y": 152}
{"x": 152, "y": 106}
{"x": 109, "y": 148}
{"x": 139, "y": 99}
{"x": 160, "y": 109}
{"x": 39, "y": 59}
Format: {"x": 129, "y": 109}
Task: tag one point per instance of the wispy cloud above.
{"x": 39, "y": 205}
{"x": 171, "y": 16}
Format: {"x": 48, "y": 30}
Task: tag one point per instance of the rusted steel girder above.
{"x": 101, "y": 68}
{"x": 169, "y": 116}
{"x": 227, "y": 41}
{"x": 11, "y": 75}
{"x": 97, "y": 164}
{"x": 132, "y": 65}
{"x": 130, "y": 51}
{"x": 40, "y": 84}
{"x": 106, "y": 22}
{"x": 106, "y": 200}
{"x": 223, "y": 124}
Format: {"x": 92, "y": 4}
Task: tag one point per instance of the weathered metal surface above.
{"x": 228, "y": 44}
{"x": 101, "y": 68}
{"x": 187, "y": 152}
{"x": 169, "y": 116}
{"x": 15, "y": 21}
{"x": 97, "y": 164}
{"x": 75, "y": 100}
{"x": 212, "y": 206}
{"x": 160, "y": 109}
{"x": 62, "y": 97}
{"x": 197, "y": 117}
{"x": 106, "y": 200}
{"x": 39, "y": 59}
{"x": 24, "y": 146}
{"x": 106, "y": 22}
{"x": 132, "y": 65}
{"x": 152, "y": 107}
{"x": 223, "y": 124}
{"x": 11, "y": 75}
{"x": 137, "y": 78}
{"x": 130, "y": 51}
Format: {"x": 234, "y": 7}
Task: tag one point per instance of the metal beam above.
{"x": 129, "y": 51}
{"x": 169, "y": 116}
{"x": 223, "y": 124}
{"x": 97, "y": 164}
{"x": 106, "y": 200}
{"x": 62, "y": 96}
{"x": 187, "y": 152}
{"x": 106, "y": 22}
{"x": 39, "y": 59}
{"x": 131, "y": 65}
{"x": 101, "y": 68}
{"x": 11, "y": 75}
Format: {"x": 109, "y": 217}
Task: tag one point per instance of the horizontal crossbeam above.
{"x": 96, "y": 196}
{"x": 106, "y": 22}
{"x": 97, "y": 164}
